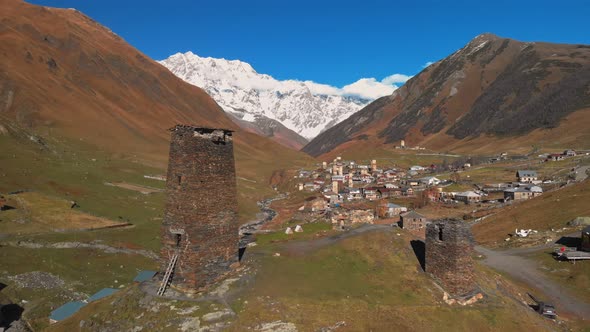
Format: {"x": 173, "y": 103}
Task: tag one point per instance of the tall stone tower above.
{"x": 449, "y": 249}
{"x": 373, "y": 165}
{"x": 200, "y": 223}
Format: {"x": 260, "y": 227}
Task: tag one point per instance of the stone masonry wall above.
{"x": 449, "y": 249}
{"x": 200, "y": 219}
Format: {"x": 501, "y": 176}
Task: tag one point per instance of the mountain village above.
{"x": 197, "y": 194}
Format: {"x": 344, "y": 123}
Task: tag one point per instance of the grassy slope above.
{"x": 371, "y": 282}
{"x": 551, "y": 210}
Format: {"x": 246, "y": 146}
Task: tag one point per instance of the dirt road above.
{"x": 513, "y": 263}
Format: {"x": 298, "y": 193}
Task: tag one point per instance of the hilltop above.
{"x": 493, "y": 94}
{"x": 65, "y": 79}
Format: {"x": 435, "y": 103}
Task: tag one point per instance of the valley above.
{"x": 197, "y": 194}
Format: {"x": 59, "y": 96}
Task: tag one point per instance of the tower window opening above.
{"x": 178, "y": 238}
{"x": 440, "y": 234}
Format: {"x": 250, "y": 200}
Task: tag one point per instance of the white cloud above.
{"x": 368, "y": 88}
{"x": 427, "y": 64}
{"x": 395, "y": 78}
{"x": 322, "y": 89}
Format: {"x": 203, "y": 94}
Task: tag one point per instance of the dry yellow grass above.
{"x": 551, "y": 210}
{"x": 37, "y": 213}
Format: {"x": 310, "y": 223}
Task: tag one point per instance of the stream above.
{"x": 266, "y": 214}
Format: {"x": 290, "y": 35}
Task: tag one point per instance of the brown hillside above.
{"x": 551, "y": 210}
{"x": 65, "y": 77}
{"x": 492, "y": 91}
{"x": 62, "y": 73}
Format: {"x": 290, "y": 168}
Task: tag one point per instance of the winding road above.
{"x": 514, "y": 264}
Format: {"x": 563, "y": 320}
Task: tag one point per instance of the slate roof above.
{"x": 412, "y": 214}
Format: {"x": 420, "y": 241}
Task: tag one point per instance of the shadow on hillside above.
{"x": 420, "y": 251}
{"x": 241, "y": 253}
{"x": 2, "y": 286}
{"x": 569, "y": 241}
{"x": 10, "y": 313}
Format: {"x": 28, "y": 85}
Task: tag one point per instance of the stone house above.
{"x": 349, "y": 214}
{"x": 389, "y": 210}
{"x": 371, "y": 194}
{"x": 412, "y": 220}
{"x": 526, "y": 176}
{"x": 385, "y": 192}
{"x": 521, "y": 193}
{"x": 316, "y": 204}
{"x": 468, "y": 197}
{"x": 407, "y": 191}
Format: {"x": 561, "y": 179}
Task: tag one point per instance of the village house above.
{"x": 389, "y": 210}
{"x": 520, "y": 193}
{"x": 468, "y": 197}
{"x": 407, "y": 191}
{"x": 417, "y": 168}
{"x": 569, "y": 153}
{"x": 385, "y": 192}
{"x": 310, "y": 186}
{"x": 371, "y": 194}
{"x": 354, "y": 194}
{"x": 390, "y": 185}
{"x": 429, "y": 181}
{"x": 412, "y": 220}
{"x": 316, "y": 204}
{"x": 334, "y": 198}
{"x": 349, "y": 214}
{"x": 526, "y": 176}
{"x": 555, "y": 157}
{"x": 411, "y": 182}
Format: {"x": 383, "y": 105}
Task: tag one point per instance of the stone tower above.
{"x": 449, "y": 249}
{"x": 200, "y": 219}
{"x": 373, "y": 165}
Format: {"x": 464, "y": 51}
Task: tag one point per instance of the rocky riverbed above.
{"x": 266, "y": 214}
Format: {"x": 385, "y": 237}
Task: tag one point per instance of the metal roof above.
{"x": 66, "y": 310}
{"x": 527, "y": 173}
{"x": 102, "y": 293}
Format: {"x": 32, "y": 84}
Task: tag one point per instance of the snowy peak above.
{"x": 306, "y": 107}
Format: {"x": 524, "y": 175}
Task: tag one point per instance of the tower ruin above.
{"x": 449, "y": 249}
{"x": 200, "y": 225}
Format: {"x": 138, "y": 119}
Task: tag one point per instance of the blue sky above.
{"x": 331, "y": 42}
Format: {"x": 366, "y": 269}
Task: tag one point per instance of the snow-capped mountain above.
{"x": 305, "y": 107}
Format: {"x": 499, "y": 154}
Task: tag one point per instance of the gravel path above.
{"x": 525, "y": 270}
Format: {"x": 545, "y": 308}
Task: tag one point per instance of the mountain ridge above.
{"x": 249, "y": 95}
{"x": 490, "y": 89}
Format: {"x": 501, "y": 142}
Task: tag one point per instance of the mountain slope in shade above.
{"x": 240, "y": 90}
{"x": 493, "y": 94}
{"x": 64, "y": 76}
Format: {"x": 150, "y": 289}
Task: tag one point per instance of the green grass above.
{"x": 309, "y": 230}
{"x": 83, "y": 270}
{"x": 576, "y": 277}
